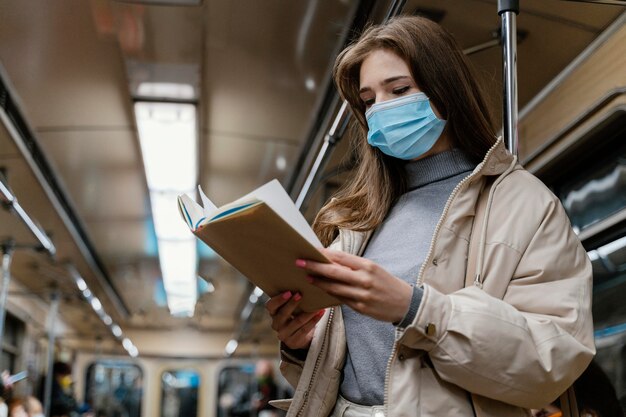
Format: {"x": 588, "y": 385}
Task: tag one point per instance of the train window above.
{"x": 596, "y": 193}
{"x": 244, "y": 390}
{"x": 590, "y": 177}
{"x": 234, "y": 390}
{"x": 179, "y": 393}
{"x": 11, "y": 342}
{"x": 114, "y": 388}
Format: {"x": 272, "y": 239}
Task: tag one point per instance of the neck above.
{"x": 443, "y": 144}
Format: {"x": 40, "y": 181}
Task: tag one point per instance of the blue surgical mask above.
{"x": 405, "y": 127}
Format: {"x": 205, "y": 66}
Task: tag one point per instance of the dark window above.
{"x": 245, "y": 389}
{"x": 11, "y": 342}
{"x": 179, "y": 393}
{"x": 114, "y": 389}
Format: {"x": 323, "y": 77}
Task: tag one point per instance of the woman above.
{"x": 465, "y": 291}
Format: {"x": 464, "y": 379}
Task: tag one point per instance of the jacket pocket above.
{"x": 281, "y": 404}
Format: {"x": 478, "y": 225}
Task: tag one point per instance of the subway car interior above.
{"x": 109, "y": 109}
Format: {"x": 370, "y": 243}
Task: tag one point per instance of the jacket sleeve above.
{"x": 291, "y": 364}
{"x": 528, "y": 347}
{"x": 292, "y": 360}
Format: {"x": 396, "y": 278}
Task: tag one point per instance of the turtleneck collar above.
{"x": 437, "y": 167}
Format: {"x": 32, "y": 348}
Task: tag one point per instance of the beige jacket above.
{"x": 515, "y": 340}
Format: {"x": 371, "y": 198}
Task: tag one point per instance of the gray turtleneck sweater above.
{"x": 399, "y": 245}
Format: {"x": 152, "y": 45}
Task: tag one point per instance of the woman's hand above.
{"x": 361, "y": 284}
{"x": 296, "y": 332}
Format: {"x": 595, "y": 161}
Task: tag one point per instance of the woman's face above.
{"x": 384, "y": 76}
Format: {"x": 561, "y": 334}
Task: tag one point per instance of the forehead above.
{"x": 379, "y": 65}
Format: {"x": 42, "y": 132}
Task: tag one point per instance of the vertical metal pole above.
{"x": 7, "y": 252}
{"x": 508, "y": 9}
{"x": 52, "y": 316}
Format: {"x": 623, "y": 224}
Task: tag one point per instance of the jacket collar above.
{"x": 496, "y": 161}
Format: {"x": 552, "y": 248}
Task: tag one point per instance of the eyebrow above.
{"x": 386, "y": 81}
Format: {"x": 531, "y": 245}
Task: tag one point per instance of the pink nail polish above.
{"x": 297, "y": 297}
{"x": 286, "y": 295}
{"x": 301, "y": 263}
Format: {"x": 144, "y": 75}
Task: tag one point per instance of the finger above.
{"x": 346, "y": 259}
{"x": 339, "y": 289}
{"x": 304, "y": 334}
{"x": 276, "y": 302}
{"x": 285, "y": 313}
{"x": 303, "y": 339}
{"x": 334, "y": 271}
{"x": 296, "y": 324}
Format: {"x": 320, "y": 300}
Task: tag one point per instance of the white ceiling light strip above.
{"x": 97, "y": 307}
{"x": 168, "y": 139}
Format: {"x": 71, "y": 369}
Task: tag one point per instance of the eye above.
{"x": 401, "y": 90}
{"x": 368, "y": 102}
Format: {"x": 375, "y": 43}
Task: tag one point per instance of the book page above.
{"x": 190, "y": 211}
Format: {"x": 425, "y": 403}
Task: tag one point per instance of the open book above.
{"x": 261, "y": 235}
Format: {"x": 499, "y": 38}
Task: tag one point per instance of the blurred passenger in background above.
{"x": 5, "y": 392}
{"x": 62, "y": 401}
{"x": 266, "y": 389}
{"x": 33, "y": 407}
{"x": 16, "y": 408}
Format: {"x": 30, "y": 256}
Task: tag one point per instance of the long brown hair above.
{"x": 444, "y": 74}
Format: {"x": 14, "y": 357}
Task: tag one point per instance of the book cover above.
{"x": 261, "y": 235}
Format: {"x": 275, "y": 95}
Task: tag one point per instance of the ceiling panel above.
{"x": 586, "y": 16}
{"x": 119, "y": 241}
{"x": 102, "y": 148}
{"x": 224, "y": 188}
{"x": 262, "y": 105}
{"x": 263, "y": 159}
{"x": 102, "y": 171}
{"x": 259, "y": 57}
{"x": 66, "y": 74}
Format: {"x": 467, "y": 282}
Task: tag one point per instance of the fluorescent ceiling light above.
{"x": 96, "y": 304}
{"x": 133, "y": 351}
{"x": 281, "y": 163}
{"x": 99, "y": 309}
{"x": 82, "y": 285}
{"x": 181, "y": 306}
{"x": 127, "y": 343}
{"x": 168, "y": 139}
{"x": 167, "y": 222}
{"x": 231, "y": 346}
{"x": 167, "y": 135}
{"x": 166, "y": 90}
{"x": 116, "y": 330}
{"x": 178, "y": 266}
